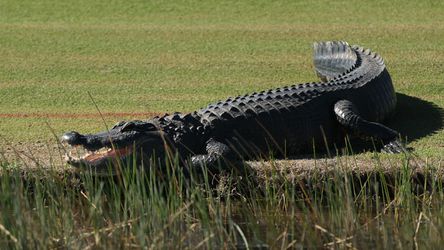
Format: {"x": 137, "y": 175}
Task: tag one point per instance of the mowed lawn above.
{"x": 144, "y": 57}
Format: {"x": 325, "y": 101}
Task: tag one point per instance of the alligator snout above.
{"x": 89, "y": 141}
{"x": 73, "y": 138}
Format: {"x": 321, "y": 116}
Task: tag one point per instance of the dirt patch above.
{"x": 358, "y": 166}
{"x": 33, "y": 155}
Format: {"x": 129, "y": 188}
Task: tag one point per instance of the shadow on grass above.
{"x": 415, "y": 118}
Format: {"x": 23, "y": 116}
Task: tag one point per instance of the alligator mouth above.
{"x": 78, "y": 156}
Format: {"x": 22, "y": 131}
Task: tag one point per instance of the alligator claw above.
{"x": 396, "y": 147}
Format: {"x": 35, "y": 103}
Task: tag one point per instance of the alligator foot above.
{"x": 217, "y": 154}
{"x": 396, "y": 147}
{"x": 347, "y": 114}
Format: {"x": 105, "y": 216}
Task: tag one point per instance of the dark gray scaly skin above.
{"x": 355, "y": 95}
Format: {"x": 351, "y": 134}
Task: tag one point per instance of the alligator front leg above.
{"x": 217, "y": 153}
{"x": 347, "y": 115}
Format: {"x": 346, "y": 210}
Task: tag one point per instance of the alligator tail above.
{"x": 332, "y": 59}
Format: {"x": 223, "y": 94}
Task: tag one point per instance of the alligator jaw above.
{"x": 81, "y": 158}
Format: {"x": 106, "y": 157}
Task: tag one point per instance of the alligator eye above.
{"x": 138, "y": 126}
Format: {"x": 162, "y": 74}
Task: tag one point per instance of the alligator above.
{"x": 354, "y": 96}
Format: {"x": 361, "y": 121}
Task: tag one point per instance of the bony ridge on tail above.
{"x": 354, "y": 96}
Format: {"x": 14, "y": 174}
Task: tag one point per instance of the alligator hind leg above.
{"x": 217, "y": 153}
{"x": 348, "y": 116}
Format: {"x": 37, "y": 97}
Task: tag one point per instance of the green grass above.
{"x": 150, "y": 56}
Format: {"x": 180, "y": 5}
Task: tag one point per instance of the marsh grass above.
{"x": 146, "y": 208}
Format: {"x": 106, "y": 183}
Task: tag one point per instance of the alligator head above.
{"x": 121, "y": 143}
